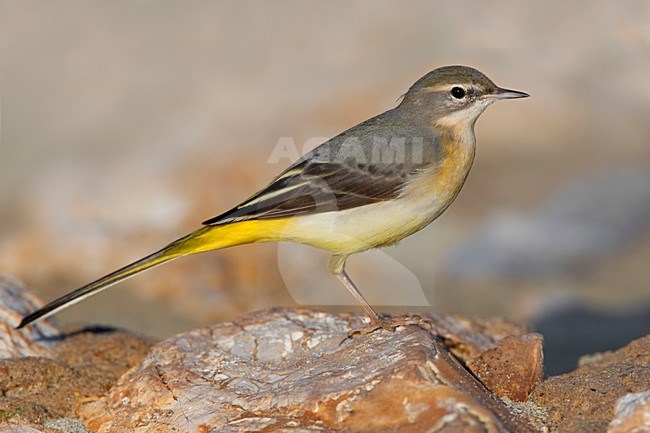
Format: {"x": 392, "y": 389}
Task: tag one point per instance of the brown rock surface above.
{"x": 38, "y": 389}
{"x": 513, "y": 368}
{"x": 45, "y": 373}
{"x": 21, "y": 427}
{"x": 584, "y": 400}
{"x": 15, "y": 301}
{"x": 285, "y": 370}
{"x": 58, "y": 425}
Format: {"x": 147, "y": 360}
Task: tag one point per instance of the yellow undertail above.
{"x": 204, "y": 239}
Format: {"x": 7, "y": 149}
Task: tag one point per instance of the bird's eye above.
{"x": 458, "y": 92}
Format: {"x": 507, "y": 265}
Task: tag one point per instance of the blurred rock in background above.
{"x": 573, "y": 329}
{"x": 581, "y": 223}
{"x": 124, "y": 125}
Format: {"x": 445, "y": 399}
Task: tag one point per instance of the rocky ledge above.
{"x": 293, "y": 370}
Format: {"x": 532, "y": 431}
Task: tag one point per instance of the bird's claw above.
{"x": 391, "y": 324}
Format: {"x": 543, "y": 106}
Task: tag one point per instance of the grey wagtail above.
{"x": 370, "y": 186}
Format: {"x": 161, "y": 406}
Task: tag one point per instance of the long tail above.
{"x": 204, "y": 239}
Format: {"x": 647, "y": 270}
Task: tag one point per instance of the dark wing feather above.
{"x": 344, "y": 172}
{"x": 318, "y": 186}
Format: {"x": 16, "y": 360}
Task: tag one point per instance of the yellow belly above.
{"x": 354, "y": 230}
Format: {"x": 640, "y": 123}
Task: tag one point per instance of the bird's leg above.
{"x": 337, "y": 267}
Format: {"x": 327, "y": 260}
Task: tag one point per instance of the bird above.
{"x": 368, "y": 187}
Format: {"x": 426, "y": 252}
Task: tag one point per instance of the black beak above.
{"x": 507, "y": 94}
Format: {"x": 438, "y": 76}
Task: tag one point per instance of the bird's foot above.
{"x": 391, "y": 324}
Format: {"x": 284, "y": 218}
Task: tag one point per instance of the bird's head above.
{"x": 455, "y": 95}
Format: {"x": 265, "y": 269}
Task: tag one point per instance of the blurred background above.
{"x": 126, "y": 124}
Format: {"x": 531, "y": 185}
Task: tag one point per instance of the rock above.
{"x": 279, "y": 370}
{"x": 16, "y": 301}
{"x": 285, "y": 370}
{"x": 55, "y": 425}
{"x": 14, "y": 410}
{"x": 513, "y": 368}
{"x": 592, "y": 217}
{"x": 45, "y": 382}
{"x": 289, "y": 370}
{"x": 83, "y": 366}
{"x": 583, "y": 400}
{"x": 468, "y": 338}
{"x": 45, "y": 371}
{"x": 632, "y": 414}
{"x": 21, "y": 427}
